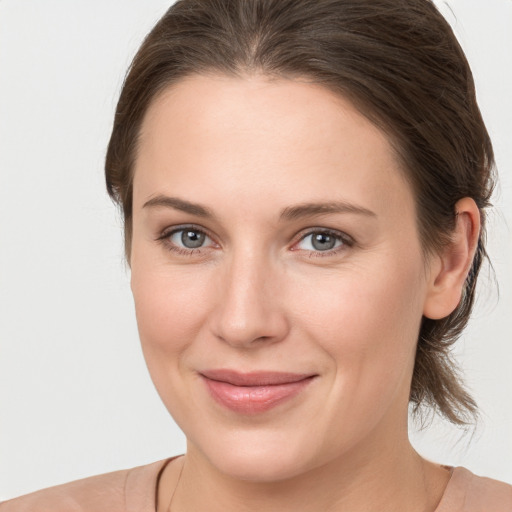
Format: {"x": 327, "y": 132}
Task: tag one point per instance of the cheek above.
{"x": 367, "y": 323}
{"x": 169, "y": 308}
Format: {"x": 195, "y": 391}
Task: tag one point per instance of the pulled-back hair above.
{"x": 400, "y": 64}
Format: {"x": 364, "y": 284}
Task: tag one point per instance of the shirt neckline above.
{"x": 444, "y": 502}
{"x": 159, "y": 476}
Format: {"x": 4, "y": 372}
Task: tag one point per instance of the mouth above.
{"x": 254, "y": 392}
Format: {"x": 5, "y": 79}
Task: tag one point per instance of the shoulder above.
{"x": 467, "y": 492}
{"x": 118, "y": 491}
{"x": 486, "y": 493}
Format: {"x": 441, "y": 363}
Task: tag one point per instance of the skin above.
{"x": 259, "y": 296}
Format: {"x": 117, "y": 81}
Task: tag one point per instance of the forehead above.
{"x": 235, "y": 135}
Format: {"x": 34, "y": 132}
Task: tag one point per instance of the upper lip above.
{"x": 256, "y": 378}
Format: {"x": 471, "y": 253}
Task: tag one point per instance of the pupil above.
{"x": 323, "y": 241}
{"x": 192, "y": 239}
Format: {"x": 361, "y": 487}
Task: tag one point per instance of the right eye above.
{"x": 186, "y": 240}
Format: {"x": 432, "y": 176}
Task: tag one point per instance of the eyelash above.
{"x": 165, "y": 237}
{"x": 346, "y": 241}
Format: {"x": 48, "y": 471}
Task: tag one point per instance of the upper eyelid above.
{"x": 174, "y": 229}
{"x": 310, "y": 231}
{"x": 165, "y": 233}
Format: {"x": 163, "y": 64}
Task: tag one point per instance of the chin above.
{"x": 259, "y": 457}
{"x": 262, "y": 467}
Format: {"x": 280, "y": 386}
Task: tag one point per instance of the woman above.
{"x": 304, "y": 186}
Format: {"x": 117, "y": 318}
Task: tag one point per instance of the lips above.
{"x": 254, "y": 392}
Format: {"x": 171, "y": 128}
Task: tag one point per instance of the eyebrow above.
{"x": 289, "y": 213}
{"x": 309, "y": 209}
{"x": 179, "y": 204}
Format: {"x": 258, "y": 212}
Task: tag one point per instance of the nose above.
{"x": 249, "y": 310}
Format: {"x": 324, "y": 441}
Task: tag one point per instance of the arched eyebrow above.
{"x": 179, "y": 204}
{"x": 310, "y": 209}
{"x": 289, "y": 213}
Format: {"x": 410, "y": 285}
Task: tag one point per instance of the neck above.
{"x": 379, "y": 476}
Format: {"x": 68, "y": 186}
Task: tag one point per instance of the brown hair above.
{"x": 399, "y": 63}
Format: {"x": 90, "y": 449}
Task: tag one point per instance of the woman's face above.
{"x": 273, "y": 231}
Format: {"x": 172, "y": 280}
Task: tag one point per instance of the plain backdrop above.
{"x": 75, "y": 395}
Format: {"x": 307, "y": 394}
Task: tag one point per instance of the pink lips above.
{"x": 255, "y": 392}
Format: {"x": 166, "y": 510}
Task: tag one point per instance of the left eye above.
{"x": 320, "y": 241}
{"x": 189, "y": 238}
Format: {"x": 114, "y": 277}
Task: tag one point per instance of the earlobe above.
{"x": 451, "y": 266}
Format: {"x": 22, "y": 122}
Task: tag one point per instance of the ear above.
{"x": 449, "y": 269}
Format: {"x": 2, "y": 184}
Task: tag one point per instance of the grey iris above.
{"x": 192, "y": 239}
{"x": 323, "y": 241}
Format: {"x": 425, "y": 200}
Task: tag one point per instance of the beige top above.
{"x": 134, "y": 490}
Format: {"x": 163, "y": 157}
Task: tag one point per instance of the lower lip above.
{"x": 254, "y": 399}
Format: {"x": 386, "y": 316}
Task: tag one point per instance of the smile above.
{"x": 255, "y": 392}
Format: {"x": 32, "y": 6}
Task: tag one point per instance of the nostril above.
{"x": 253, "y": 334}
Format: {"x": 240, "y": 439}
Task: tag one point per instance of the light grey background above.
{"x": 75, "y": 395}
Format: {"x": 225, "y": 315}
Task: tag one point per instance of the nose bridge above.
{"x": 248, "y": 308}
